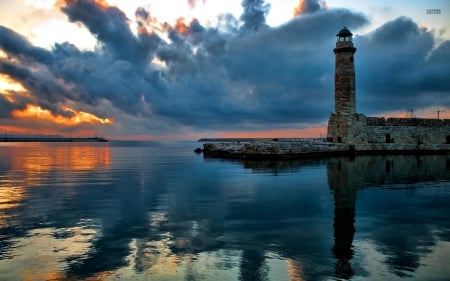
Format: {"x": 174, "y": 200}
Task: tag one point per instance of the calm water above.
{"x": 157, "y": 211}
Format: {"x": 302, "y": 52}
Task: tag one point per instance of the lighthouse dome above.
{"x": 344, "y": 35}
{"x": 344, "y": 32}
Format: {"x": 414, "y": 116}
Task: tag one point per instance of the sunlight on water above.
{"x": 157, "y": 211}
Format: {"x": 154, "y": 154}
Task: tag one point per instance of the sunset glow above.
{"x": 6, "y": 83}
{"x": 299, "y": 8}
{"x": 179, "y": 69}
{"x": 78, "y": 117}
{"x": 181, "y": 27}
{"x": 314, "y": 132}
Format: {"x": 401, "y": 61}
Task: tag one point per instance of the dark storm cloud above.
{"x": 398, "y": 67}
{"x": 254, "y": 15}
{"x": 290, "y": 76}
{"x": 6, "y": 107}
{"x": 17, "y": 45}
{"x": 142, "y": 13}
{"x": 47, "y": 91}
{"x": 312, "y": 6}
{"x": 108, "y": 24}
{"x": 240, "y": 75}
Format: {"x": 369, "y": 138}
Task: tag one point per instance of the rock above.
{"x": 198, "y": 150}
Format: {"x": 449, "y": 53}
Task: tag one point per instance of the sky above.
{"x": 186, "y": 69}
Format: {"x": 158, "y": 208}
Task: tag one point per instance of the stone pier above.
{"x": 275, "y": 149}
{"x": 308, "y": 148}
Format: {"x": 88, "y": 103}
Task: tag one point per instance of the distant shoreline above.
{"x": 51, "y": 139}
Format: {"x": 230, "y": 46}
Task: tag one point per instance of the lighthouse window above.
{"x": 389, "y": 139}
{"x": 351, "y": 58}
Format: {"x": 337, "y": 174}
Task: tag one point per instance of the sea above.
{"x": 127, "y": 210}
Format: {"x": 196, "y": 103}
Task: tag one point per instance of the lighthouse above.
{"x": 345, "y": 125}
{"x": 344, "y": 74}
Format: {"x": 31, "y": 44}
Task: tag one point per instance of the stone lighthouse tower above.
{"x": 344, "y": 73}
{"x": 343, "y": 123}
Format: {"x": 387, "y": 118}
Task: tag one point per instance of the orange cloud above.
{"x": 299, "y": 8}
{"x": 77, "y": 118}
{"x": 147, "y": 23}
{"x": 181, "y": 27}
{"x": 101, "y": 3}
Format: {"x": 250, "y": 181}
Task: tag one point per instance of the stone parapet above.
{"x": 381, "y": 121}
{"x": 414, "y": 122}
{"x": 376, "y": 121}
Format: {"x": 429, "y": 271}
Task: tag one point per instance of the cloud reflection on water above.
{"x": 170, "y": 218}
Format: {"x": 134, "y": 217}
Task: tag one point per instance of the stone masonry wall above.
{"x": 409, "y": 134}
{"x": 344, "y": 78}
{"x": 348, "y": 129}
{"x": 373, "y": 133}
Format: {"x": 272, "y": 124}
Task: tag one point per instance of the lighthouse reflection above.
{"x": 340, "y": 174}
{"x": 349, "y": 176}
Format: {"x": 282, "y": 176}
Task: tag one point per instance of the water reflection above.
{"x": 188, "y": 218}
{"x": 24, "y": 211}
{"x": 347, "y": 176}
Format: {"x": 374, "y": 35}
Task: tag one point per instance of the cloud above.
{"x": 108, "y": 24}
{"x": 6, "y": 107}
{"x": 193, "y": 3}
{"x": 254, "y": 15}
{"x": 399, "y": 66}
{"x": 309, "y": 6}
{"x": 17, "y": 45}
{"x": 240, "y": 75}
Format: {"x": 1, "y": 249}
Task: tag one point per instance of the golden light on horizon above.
{"x": 70, "y": 158}
{"x": 77, "y": 118}
{"x": 311, "y": 132}
{"x": 65, "y": 158}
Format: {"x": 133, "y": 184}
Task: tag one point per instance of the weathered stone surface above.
{"x": 344, "y": 78}
{"x": 298, "y": 148}
{"x": 397, "y": 133}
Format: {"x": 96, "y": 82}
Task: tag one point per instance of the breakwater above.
{"x": 288, "y": 149}
{"x": 51, "y": 139}
{"x": 274, "y": 149}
